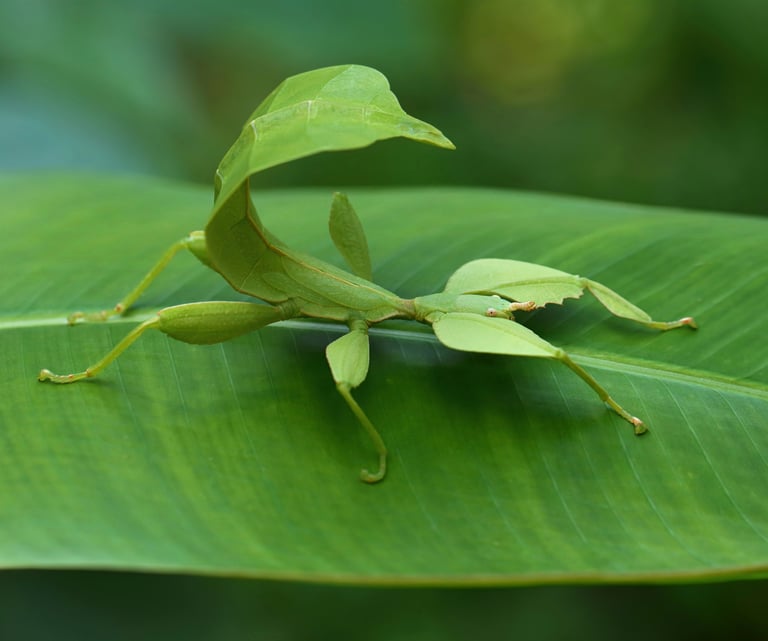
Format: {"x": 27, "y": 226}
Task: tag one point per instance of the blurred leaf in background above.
{"x": 90, "y": 85}
{"x": 85, "y": 606}
{"x": 648, "y": 101}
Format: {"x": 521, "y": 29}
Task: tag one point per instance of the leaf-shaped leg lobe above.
{"x": 621, "y": 307}
{"x": 475, "y": 333}
{"x": 348, "y": 358}
{"x": 197, "y": 323}
{"x": 518, "y": 280}
{"x": 348, "y": 236}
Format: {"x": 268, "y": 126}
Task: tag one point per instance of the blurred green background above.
{"x": 652, "y": 101}
{"x": 114, "y": 607}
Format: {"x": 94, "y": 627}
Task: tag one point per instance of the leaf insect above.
{"x": 337, "y": 108}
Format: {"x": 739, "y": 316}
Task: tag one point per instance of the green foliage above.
{"x": 648, "y": 101}
{"x": 202, "y": 459}
{"x": 130, "y": 606}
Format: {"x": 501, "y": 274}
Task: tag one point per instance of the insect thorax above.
{"x": 427, "y": 307}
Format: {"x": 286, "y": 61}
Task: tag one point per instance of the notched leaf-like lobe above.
{"x": 515, "y": 280}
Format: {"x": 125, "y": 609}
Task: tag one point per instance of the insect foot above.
{"x": 78, "y": 317}
{"x": 48, "y": 375}
{"x": 689, "y": 321}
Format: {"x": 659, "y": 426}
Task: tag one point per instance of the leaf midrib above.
{"x": 588, "y": 357}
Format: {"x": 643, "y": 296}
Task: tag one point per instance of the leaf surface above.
{"x": 241, "y": 458}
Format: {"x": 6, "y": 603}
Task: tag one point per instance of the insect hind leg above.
{"x": 202, "y": 323}
{"x": 194, "y": 242}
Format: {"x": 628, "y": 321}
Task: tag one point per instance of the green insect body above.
{"x": 332, "y": 109}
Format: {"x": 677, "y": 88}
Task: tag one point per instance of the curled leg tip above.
{"x": 368, "y": 477}
{"x": 48, "y": 375}
{"x": 689, "y": 321}
{"x": 640, "y": 427}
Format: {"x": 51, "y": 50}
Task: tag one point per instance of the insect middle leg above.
{"x": 348, "y": 357}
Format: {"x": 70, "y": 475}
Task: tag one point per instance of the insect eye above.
{"x": 490, "y": 312}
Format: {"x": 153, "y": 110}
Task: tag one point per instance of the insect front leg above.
{"x": 195, "y": 243}
{"x": 621, "y": 307}
{"x": 348, "y": 357}
{"x": 475, "y": 333}
{"x": 197, "y": 323}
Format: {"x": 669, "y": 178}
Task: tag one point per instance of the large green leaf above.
{"x": 241, "y": 458}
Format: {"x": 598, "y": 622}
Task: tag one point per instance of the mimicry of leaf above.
{"x": 332, "y": 109}
{"x": 202, "y": 458}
